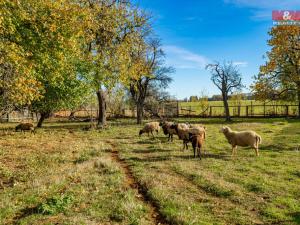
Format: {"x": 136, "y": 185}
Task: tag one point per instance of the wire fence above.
{"x": 241, "y": 111}
{"x": 168, "y": 110}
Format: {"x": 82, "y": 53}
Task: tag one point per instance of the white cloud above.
{"x": 240, "y": 63}
{"x": 182, "y": 58}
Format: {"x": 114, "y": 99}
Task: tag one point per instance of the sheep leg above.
{"x": 171, "y": 135}
{"x": 185, "y": 146}
{"x": 194, "y": 152}
{"x": 256, "y": 151}
{"x": 199, "y": 152}
{"x": 233, "y": 150}
{"x": 152, "y": 134}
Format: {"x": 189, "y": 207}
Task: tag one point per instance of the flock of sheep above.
{"x": 196, "y": 134}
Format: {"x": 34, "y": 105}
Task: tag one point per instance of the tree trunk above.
{"x": 44, "y": 115}
{"x": 102, "y": 107}
{"x": 226, "y": 107}
{"x": 140, "y": 112}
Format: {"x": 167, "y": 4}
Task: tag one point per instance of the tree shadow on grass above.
{"x": 179, "y": 157}
{"x": 150, "y": 150}
{"x": 147, "y": 141}
{"x": 277, "y": 148}
{"x": 204, "y": 156}
{"x": 296, "y": 217}
{"x": 64, "y": 126}
{"x": 150, "y": 159}
{"x": 26, "y": 212}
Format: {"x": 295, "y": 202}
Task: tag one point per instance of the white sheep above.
{"x": 149, "y": 128}
{"x": 184, "y": 132}
{"x": 166, "y": 126}
{"x": 241, "y": 138}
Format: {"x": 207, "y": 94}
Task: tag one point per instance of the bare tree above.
{"x": 227, "y": 78}
{"x": 157, "y": 75}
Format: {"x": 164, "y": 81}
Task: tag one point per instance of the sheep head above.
{"x": 162, "y": 122}
{"x": 18, "y": 127}
{"x": 175, "y": 127}
{"x": 141, "y": 132}
{"x": 191, "y": 136}
{"x": 224, "y": 129}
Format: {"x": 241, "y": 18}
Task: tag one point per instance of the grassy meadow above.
{"x": 66, "y": 175}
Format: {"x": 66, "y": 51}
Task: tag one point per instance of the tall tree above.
{"x": 115, "y": 30}
{"x": 18, "y": 81}
{"x": 41, "y": 50}
{"x": 279, "y": 78}
{"x": 227, "y": 78}
{"x": 151, "y": 71}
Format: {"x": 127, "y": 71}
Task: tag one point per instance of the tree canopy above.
{"x": 279, "y": 78}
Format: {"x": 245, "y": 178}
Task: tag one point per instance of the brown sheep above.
{"x": 166, "y": 126}
{"x": 197, "y": 142}
{"x": 183, "y": 132}
{"x": 25, "y": 126}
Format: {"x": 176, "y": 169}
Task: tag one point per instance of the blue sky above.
{"x": 196, "y": 32}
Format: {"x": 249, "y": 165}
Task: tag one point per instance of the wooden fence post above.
{"x": 287, "y": 110}
{"x": 264, "y": 109}
{"x": 247, "y": 111}
{"x": 210, "y": 111}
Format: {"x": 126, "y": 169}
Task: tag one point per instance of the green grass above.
{"x": 68, "y": 176}
{"x": 62, "y": 177}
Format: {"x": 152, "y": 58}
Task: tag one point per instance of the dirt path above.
{"x": 156, "y": 217}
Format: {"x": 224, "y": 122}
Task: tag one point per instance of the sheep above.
{"x": 242, "y": 138}
{"x": 197, "y": 142}
{"x": 149, "y": 128}
{"x": 166, "y": 126}
{"x": 25, "y": 126}
{"x": 184, "y": 130}
{"x": 200, "y": 126}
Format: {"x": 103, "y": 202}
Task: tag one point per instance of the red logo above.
{"x": 286, "y": 15}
